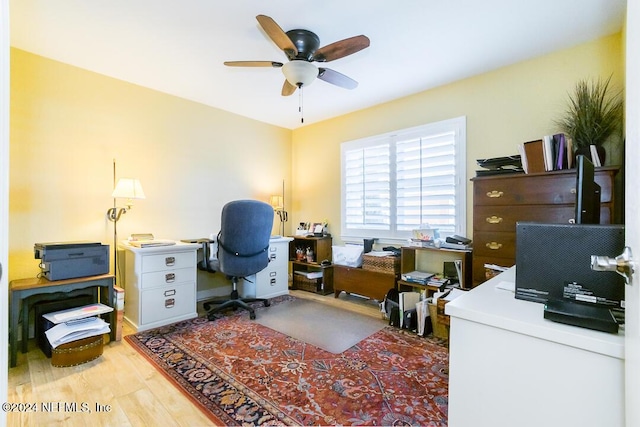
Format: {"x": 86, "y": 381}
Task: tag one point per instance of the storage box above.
{"x": 387, "y": 264}
{"x": 440, "y": 330}
{"x": 77, "y": 352}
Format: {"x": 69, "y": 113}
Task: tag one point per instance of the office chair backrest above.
{"x": 243, "y": 241}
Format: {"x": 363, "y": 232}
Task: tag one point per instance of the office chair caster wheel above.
{"x": 252, "y": 316}
{"x": 267, "y": 303}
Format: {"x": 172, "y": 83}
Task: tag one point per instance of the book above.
{"x": 534, "y": 151}
{"x": 561, "y": 160}
{"x": 595, "y": 158}
{"x": 415, "y": 276}
{"x": 548, "y": 152}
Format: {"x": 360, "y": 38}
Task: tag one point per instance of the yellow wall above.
{"x": 67, "y": 126}
{"x": 514, "y": 104}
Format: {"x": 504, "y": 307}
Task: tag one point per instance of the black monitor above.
{"x": 587, "y": 193}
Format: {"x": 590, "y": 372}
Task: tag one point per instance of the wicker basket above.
{"x": 306, "y": 284}
{"x": 384, "y": 264}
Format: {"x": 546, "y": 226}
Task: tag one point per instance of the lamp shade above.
{"x": 299, "y": 72}
{"x": 128, "y": 188}
{"x": 276, "y": 202}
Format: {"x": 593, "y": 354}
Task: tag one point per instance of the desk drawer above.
{"x": 167, "y": 277}
{"x": 172, "y": 261}
{"x": 167, "y": 302}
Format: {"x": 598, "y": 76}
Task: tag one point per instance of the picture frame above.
{"x": 317, "y": 228}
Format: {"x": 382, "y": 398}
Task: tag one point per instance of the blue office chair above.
{"x": 243, "y": 244}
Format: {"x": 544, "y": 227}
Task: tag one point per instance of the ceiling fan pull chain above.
{"x": 300, "y": 104}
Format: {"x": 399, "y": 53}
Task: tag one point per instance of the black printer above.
{"x": 68, "y": 260}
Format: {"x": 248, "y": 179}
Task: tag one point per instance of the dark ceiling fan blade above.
{"x": 253, "y": 64}
{"x": 336, "y": 78}
{"x": 276, "y": 34}
{"x": 341, "y": 48}
{"x": 288, "y": 88}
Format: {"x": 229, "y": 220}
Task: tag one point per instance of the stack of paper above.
{"x": 76, "y": 329}
{"x": 76, "y": 323}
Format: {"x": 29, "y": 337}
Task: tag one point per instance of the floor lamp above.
{"x": 125, "y": 188}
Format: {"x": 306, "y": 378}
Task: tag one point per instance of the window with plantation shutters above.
{"x": 404, "y": 180}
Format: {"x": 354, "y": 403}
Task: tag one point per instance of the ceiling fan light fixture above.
{"x": 299, "y": 72}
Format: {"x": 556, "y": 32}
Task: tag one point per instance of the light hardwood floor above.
{"x": 135, "y": 392}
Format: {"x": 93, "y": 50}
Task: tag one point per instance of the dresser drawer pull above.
{"x": 169, "y": 261}
{"x": 494, "y": 194}
{"x": 494, "y": 219}
{"x": 493, "y": 245}
{"x": 169, "y": 303}
{"x": 170, "y": 277}
{"x": 170, "y": 293}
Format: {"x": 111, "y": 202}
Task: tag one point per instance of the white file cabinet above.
{"x": 273, "y": 281}
{"x": 160, "y": 284}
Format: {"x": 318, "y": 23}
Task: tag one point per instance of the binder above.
{"x": 534, "y": 151}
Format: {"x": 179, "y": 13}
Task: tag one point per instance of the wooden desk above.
{"x": 26, "y": 292}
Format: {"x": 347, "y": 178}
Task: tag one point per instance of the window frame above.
{"x": 456, "y": 125}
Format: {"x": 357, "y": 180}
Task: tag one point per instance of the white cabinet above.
{"x": 273, "y": 281}
{"x": 508, "y": 366}
{"x": 160, "y": 284}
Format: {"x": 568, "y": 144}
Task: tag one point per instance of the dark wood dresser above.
{"x": 499, "y": 201}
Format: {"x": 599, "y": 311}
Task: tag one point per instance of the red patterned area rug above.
{"x": 242, "y": 373}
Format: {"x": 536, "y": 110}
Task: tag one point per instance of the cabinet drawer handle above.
{"x": 494, "y": 194}
{"x": 170, "y": 293}
{"x": 169, "y": 261}
{"x": 494, "y": 219}
{"x": 493, "y": 245}
{"x": 169, "y": 303}
{"x": 170, "y": 277}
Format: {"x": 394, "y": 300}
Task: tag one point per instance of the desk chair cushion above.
{"x": 243, "y": 240}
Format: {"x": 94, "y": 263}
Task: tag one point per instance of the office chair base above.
{"x": 234, "y": 303}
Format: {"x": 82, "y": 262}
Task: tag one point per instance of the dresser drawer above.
{"x": 479, "y": 274}
{"x": 496, "y": 245}
{"x": 504, "y": 218}
{"x": 167, "y": 302}
{"x": 162, "y": 262}
{"x": 543, "y": 189}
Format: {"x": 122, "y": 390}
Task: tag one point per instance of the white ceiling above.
{"x": 178, "y": 46}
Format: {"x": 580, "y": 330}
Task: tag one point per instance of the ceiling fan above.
{"x": 302, "y": 47}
